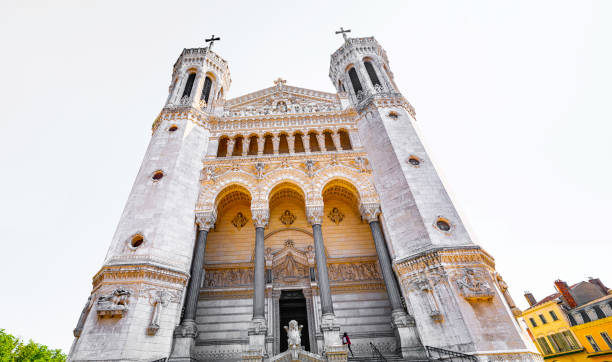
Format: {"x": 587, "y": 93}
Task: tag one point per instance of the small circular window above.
{"x": 157, "y": 175}
{"x": 173, "y": 128}
{"x": 443, "y": 224}
{"x": 137, "y": 240}
{"x": 414, "y": 161}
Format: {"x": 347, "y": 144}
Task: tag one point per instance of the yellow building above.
{"x": 574, "y": 324}
{"x": 592, "y": 324}
{"x": 551, "y": 330}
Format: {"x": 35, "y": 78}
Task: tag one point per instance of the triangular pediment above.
{"x": 283, "y": 98}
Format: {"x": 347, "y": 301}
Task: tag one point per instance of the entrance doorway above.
{"x": 292, "y": 306}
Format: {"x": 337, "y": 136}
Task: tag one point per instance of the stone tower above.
{"x": 291, "y": 203}
{"x": 147, "y": 267}
{"x": 448, "y": 281}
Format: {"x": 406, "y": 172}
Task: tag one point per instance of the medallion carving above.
{"x": 473, "y": 285}
{"x": 335, "y": 215}
{"x": 239, "y": 221}
{"x": 287, "y": 218}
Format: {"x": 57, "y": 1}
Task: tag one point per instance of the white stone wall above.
{"x": 163, "y": 212}
{"x": 412, "y": 198}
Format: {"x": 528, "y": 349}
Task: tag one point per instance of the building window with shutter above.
{"x": 607, "y": 339}
{"x": 553, "y": 316}
{"x": 593, "y": 343}
{"x": 572, "y": 320}
{"x": 542, "y": 319}
{"x": 533, "y": 323}
{"x": 554, "y": 344}
{"x": 585, "y": 316}
{"x": 572, "y": 341}
{"x": 600, "y": 314}
{"x": 544, "y": 346}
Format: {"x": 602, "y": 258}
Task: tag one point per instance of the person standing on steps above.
{"x": 346, "y": 340}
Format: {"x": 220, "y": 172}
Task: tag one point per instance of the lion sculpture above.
{"x": 294, "y": 334}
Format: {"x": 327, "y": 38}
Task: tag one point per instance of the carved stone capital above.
{"x": 261, "y": 217}
{"x": 370, "y": 211}
{"x": 187, "y": 329}
{"x": 206, "y": 219}
{"x": 314, "y": 214}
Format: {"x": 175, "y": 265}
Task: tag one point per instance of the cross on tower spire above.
{"x": 211, "y": 41}
{"x": 343, "y": 32}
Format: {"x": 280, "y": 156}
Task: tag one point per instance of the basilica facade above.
{"x": 293, "y": 204}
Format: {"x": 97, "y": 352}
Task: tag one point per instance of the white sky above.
{"x": 512, "y": 98}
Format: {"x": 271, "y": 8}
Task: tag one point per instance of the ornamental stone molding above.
{"x": 206, "y": 219}
{"x": 110, "y": 275}
{"x": 294, "y": 170}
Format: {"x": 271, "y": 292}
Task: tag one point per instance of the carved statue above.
{"x": 294, "y": 334}
{"x": 114, "y": 304}
{"x": 503, "y": 287}
{"x": 79, "y": 327}
{"x": 159, "y": 299}
{"x": 259, "y": 167}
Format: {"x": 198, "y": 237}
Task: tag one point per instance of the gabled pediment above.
{"x": 282, "y": 98}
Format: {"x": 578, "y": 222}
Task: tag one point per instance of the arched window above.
{"x": 189, "y": 85}
{"x": 222, "y": 149}
{"x": 298, "y": 144}
{"x": 253, "y": 146}
{"x": 345, "y": 140}
{"x": 371, "y": 72}
{"x": 341, "y": 86}
{"x": 206, "y": 89}
{"x": 355, "y": 80}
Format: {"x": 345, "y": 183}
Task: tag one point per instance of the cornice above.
{"x": 138, "y": 272}
{"x": 448, "y": 257}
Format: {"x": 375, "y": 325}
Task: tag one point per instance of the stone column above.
{"x": 333, "y": 348}
{"x": 258, "y": 329}
{"x": 321, "y": 141}
{"x": 261, "y": 141}
{"x": 403, "y": 324}
{"x": 186, "y": 333}
{"x": 275, "y": 143}
{"x": 336, "y": 138}
{"x": 291, "y": 143}
{"x": 245, "y": 146}
{"x": 230, "y": 146}
{"x": 306, "y": 142}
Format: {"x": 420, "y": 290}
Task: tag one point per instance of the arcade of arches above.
{"x": 294, "y": 282}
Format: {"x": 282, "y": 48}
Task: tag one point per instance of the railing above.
{"x": 440, "y": 354}
{"x": 376, "y": 353}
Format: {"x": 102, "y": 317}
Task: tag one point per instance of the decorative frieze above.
{"x": 228, "y": 278}
{"x": 353, "y": 272}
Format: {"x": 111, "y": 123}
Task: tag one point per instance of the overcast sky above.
{"x": 513, "y": 100}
